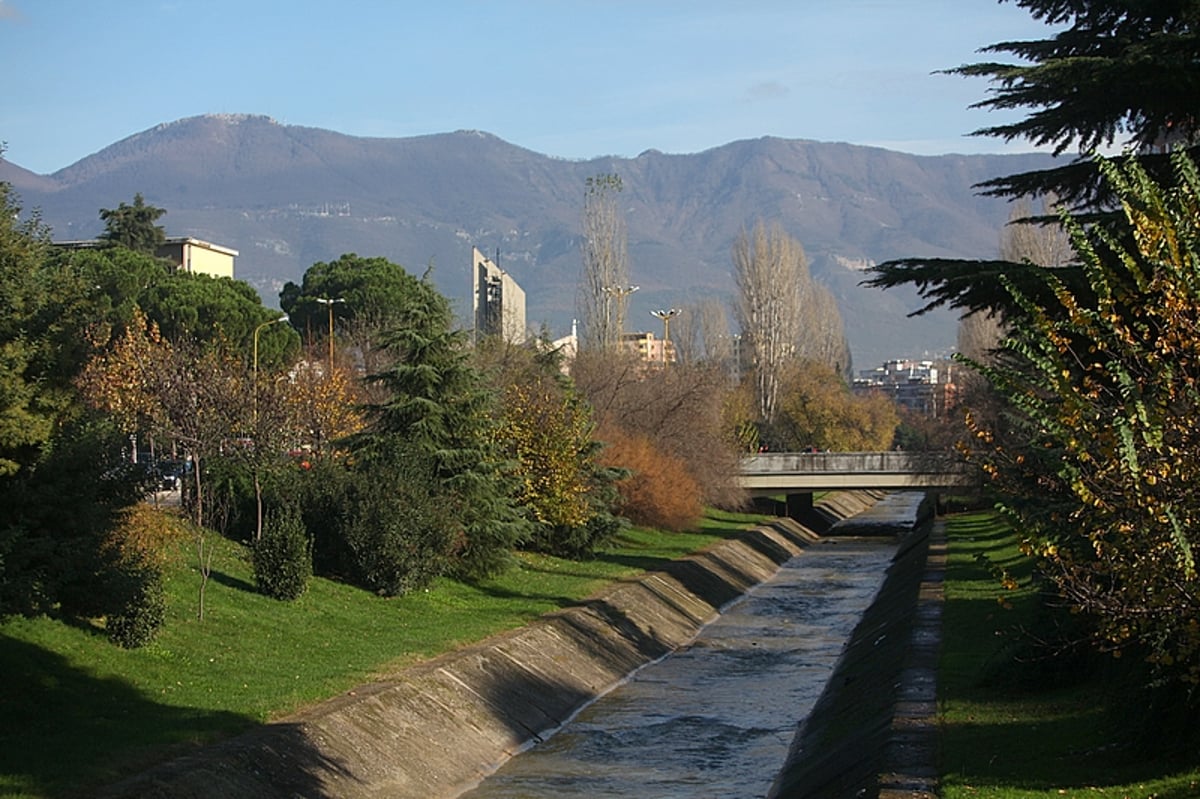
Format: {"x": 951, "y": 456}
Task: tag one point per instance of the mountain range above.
{"x": 286, "y": 197}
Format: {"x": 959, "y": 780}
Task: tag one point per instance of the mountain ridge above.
{"x": 289, "y": 196}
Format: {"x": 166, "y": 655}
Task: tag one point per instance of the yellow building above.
{"x": 186, "y": 253}
{"x": 200, "y": 257}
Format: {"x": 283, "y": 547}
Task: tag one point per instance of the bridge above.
{"x": 796, "y": 475}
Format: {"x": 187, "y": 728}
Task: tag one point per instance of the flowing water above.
{"x": 715, "y": 718}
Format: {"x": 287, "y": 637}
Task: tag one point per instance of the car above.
{"x": 170, "y": 474}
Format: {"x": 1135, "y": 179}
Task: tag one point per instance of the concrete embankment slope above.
{"x": 441, "y": 726}
{"x": 873, "y": 732}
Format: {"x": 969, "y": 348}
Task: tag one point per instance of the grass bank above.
{"x": 77, "y": 711}
{"x": 1005, "y": 732}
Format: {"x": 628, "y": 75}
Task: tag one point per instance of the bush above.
{"x": 399, "y": 534}
{"x": 682, "y": 411}
{"x": 143, "y": 609}
{"x": 318, "y": 486}
{"x": 659, "y": 492}
{"x": 282, "y": 558}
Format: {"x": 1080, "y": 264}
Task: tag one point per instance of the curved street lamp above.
{"x": 666, "y": 316}
{"x": 258, "y": 330}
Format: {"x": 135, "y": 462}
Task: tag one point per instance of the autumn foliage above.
{"x": 659, "y": 491}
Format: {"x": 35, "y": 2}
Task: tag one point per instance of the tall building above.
{"x": 499, "y": 301}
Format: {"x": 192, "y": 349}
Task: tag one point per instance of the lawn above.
{"x": 1004, "y": 734}
{"x": 78, "y": 711}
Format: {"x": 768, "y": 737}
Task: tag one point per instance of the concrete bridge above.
{"x": 796, "y": 475}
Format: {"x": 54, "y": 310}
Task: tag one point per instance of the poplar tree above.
{"x": 604, "y": 289}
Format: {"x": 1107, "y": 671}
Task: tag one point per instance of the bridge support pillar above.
{"x": 800, "y": 506}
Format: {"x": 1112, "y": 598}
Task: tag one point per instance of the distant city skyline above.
{"x": 573, "y": 80}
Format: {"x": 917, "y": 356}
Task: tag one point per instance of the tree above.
{"x": 132, "y": 226}
{"x": 678, "y": 411}
{"x": 368, "y": 296}
{"x": 438, "y": 405}
{"x": 218, "y": 311}
{"x": 325, "y": 408}
{"x": 194, "y": 396}
{"x": 604, "y": 288}
{"x": 26, "y": 407}
{"x": 1118, "y": 73}
{"x": 817, "y": 409}
{"x": 53, "y": 553}
{"x": 782, "y": 313}
{"x": 1117, "y": 70}
{"x": 701, "y": 334}
{"x": 1095, "y": 458}
{"x": 546, "y": 432}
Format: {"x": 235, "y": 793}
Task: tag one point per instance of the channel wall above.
{"x": 440, "y": 726}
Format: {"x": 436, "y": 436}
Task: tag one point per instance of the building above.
{"x": 186, "y": 253}
{"x": 919, "y": 386}
{"x": 198, "y": 257}
{"x": 499, "y": 301}
{"x": 648, "y": 347}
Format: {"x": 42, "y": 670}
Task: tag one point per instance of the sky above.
{"x": 574, "y": 79}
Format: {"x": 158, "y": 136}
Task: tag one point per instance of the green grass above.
{"x": 1003, "y": 735}
{"x": 76, "y": 711}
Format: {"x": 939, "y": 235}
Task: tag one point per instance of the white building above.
{"x": 499, "y": 301}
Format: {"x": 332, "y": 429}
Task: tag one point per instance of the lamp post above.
{"x": 258, "y": 330}
{"x": 666, "y": 316}
{"x": 621, "y": 293}
{"x": 330, "y": 304}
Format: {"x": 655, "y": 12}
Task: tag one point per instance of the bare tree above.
{"x": 823, "y": 334}
{"x": 604, "y": 287}
{"x": 771, "y": 274}
{"x": 701, "y": 334}
{"x": 1037, "y": 238}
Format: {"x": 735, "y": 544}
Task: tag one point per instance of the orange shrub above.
{"x": 660, "y": 492}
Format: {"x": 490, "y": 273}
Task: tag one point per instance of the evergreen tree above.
{"x": 1095, "y": 458}
{"x": 1117, "y": 73}
{"x": 437, "y": 403}
{"x": 132, "y": 226}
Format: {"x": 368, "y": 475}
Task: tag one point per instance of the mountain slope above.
{"x": 288, "y": 196}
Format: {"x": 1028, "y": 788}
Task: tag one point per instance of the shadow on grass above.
{"x": 64, "y": 731}
{"x": 1052, "y": 755}
{"x": 235, "y": 583}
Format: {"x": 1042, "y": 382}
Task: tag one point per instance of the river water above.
{"x": 716, "y": 718}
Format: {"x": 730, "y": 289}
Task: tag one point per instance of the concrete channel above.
{"x": 440, "y": 727}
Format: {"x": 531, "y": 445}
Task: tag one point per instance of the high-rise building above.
{"x": 499, "y": 301}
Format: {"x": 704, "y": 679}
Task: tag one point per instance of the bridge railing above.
{"x": 893, "y": 462}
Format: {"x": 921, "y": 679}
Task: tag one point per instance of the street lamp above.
{"x": 666, "y": 317}
{"x": 330, "y": 303}
{"x": 258, "y": 330}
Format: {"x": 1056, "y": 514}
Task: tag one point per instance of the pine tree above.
{"x": 438, "y": 404}
{"x": 1118, "y": 73}
{"x": 132, "y": 226}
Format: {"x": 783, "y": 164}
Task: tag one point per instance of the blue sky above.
{"x": 568, "y": 78}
